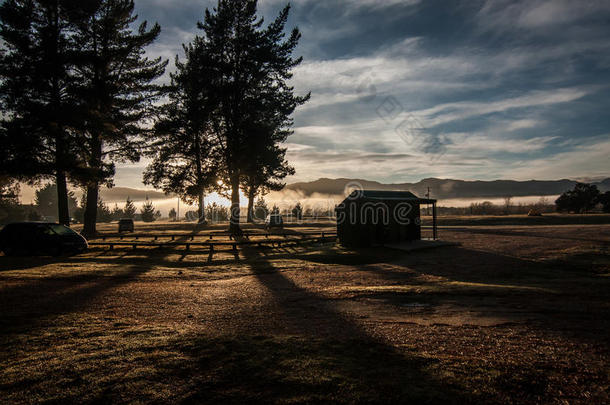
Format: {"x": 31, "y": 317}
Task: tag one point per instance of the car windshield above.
{"x": 61, "y": 230}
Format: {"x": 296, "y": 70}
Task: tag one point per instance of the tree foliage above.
{"x": 130, "y": 209}
{"x": 265, "y": 173}
{"x": 148, "y": 211}
{"x": 184, "y": 157}
{"x": 247, "y": 67}
{"x": 46, "y": 200}
{"x": 216, "y": 213}
{"x": 115, "y": 90}
{"x": 117, "y": 213}
{"x": 104, "y": 214}
{"x": 604, "y": 200}
{"x": 260, "y": 209}
{"x": 173, "y": 216}
{"x": 77, "y": 92}
{"x": 35, "y": 80}
{"x": 10, "y": 209}
{"x": 75, "y": 82}
{"x": 581, "y": 199}
{"x": 297, "y": 211}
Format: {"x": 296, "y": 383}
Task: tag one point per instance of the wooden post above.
{"x": 434, "y": 231}
{"x": 211, "y": 255}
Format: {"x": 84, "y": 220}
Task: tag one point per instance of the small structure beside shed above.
{"x": 377, "y": 217}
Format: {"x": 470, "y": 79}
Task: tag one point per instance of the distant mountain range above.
{"x": 439, "y": 188}
{"x": 448, "y": 188}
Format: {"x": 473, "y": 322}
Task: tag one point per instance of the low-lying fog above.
{"x": 288, "y": 199}
{"x": 320, "y": 202}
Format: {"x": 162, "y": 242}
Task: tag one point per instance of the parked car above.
{"x": 274, "y": 221}
{"x": 126, "y": 225}
{"x": 37, "y": 238}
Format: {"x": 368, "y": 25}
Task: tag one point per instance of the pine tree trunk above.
{"x": 63, "y": 213}
{"x": 251, "y": 206}
{"x": 93, "y": 187}
{"x": 201, "y": 209}
{"x": 234, "y": 228}
{"x": 89, "y": 228}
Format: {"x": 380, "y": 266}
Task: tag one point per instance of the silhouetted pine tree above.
{"x": 247, "y": 68}
{"x": 130, "y": 209}
{"x": 115, "y": 89}
{"x": 148, "y": 211}
{"x": 46, "y": 200}
{"x": 581, "y": 199}
{"x": 260, "y": 209}
{"x": 35, "y": 66}
{"x": 184, "y": 159}
{"x": 10, "y": 209}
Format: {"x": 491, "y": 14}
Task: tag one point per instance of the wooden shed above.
{"x": 377, "y": 217}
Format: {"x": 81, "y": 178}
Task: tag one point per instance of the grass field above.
{"x": 519, "y": 220}
{"x": 516, "y": 314}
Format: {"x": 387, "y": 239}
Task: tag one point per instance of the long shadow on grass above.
{"x": 532, "y": 234}
{"x": 311, "y": 353}
{"x": 563, "y": 298}
{"x": 101, "y": 256}
{"x": 28, "y": 303}
{"x": 27, "y": 306}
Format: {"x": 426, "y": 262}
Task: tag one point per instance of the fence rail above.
{"x": 214, "y": 246}
{"x": 209, "y": 236}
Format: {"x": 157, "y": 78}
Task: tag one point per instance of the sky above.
{"x": 408, "y": 89}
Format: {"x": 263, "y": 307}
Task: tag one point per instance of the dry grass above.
{"x": 514, "y": 315}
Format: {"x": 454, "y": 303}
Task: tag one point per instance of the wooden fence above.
{"x": 209, "y": 236}
{"x": 213, "y": 247}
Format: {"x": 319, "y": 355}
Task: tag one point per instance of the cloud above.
{"x": 350, "y": 5}
{"x": 517, "y": 125}
{"x": 488, "y": 143}
{"x": 538, "y": 13}
{"x": 579, "y": 161}
{"x": 502, "y": 83}
{"x": 458, "y": 111}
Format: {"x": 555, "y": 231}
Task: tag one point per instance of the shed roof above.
{"x": 387, "y": 195}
